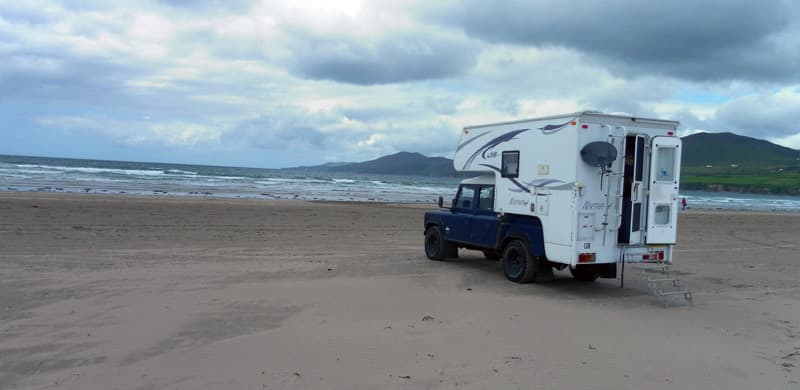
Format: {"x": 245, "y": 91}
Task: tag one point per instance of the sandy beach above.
{"x": 115, "y": 292}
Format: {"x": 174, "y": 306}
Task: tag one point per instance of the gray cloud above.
{"x": 55, "y": 75}
{"x": 699, "y": 40}
{"x": 322, "y": 133}
{"x": 281, "y": 130}
{"x": 391, "y": 59}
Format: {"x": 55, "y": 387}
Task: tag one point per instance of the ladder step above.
{"x": 662, "y": 280}
{"x": 653, "y": 267}
{"x": 656, "y": 272}
{"x": 664, "y": 293}
{"x": 648, "y": 262}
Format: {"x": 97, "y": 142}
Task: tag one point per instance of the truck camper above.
{"x": 585, "y": 191}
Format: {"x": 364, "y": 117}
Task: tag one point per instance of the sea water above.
{"x": 18, "y": 173}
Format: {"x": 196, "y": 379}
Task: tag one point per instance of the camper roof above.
{"x": 485, "y": 179}
{"x": 590, "y": 115}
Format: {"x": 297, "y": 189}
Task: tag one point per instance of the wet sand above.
{"x": 115, "y": 292}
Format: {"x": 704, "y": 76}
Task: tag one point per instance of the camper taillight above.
{"x": 586, "y": 258}
{"x": 654, "y": 256}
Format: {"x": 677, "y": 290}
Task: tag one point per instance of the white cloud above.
{"x": 351, "y": 80}
{"x": 792, "y": 141}
{"x": 138, "y": 132}
{"x": 771, "y": 114}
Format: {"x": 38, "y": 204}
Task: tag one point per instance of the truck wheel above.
{"x": 436, "y": 248}
{"x": 583, "y": 274}
{"x": 518, "y": 265}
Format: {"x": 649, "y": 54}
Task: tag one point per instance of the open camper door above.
{"x": 633, "y": 193}
{"x": 662, "y": 207}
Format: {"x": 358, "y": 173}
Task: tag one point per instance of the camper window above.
{"x": 510, "y": 164}
{"x": 465, "y": 197}
{"x": 486, "y": 198}
{"x": 662, "y": 216}
{"x": 665, "y": 163}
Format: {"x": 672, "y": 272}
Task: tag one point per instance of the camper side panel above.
{"x": 535, "y": 165}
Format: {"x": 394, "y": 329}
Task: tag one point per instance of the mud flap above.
{"x": 544, "y": 271}
{"x": 608, "y": 271}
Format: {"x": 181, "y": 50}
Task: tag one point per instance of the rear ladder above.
{"x": 661, "y": 279}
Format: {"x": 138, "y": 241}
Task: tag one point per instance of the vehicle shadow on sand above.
{"x": 488, "y": 274}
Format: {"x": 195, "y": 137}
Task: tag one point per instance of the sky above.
{"x": 286, "y": 83}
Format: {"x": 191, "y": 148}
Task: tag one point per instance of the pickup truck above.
{"x": 472, "y": 223}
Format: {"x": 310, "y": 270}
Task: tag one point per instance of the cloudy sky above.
{"x": 283, "y": 83}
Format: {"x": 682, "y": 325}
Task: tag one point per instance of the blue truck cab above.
{"x": 472, "y": 223}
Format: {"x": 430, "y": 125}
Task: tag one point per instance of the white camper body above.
{"x": 591, "y": 212}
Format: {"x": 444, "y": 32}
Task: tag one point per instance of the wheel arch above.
{"x": 529, "y": 231}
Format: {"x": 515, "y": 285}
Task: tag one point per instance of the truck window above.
{"x": 510, "y": 164}
{"x": 465, "y": 197}
{"x": 486, "y": 198}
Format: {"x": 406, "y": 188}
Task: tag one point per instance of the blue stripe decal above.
{"x": 470, "y": 140}
{"x": 550, "y": 129}
{"x": 491, "y": 144}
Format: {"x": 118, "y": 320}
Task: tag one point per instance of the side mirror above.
{"x": 453, "y": 203}
{"x": 441, "y": 201}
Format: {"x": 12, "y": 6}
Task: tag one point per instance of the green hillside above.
{"x": 403, "y": 163}
{"x": 724, "y": 149}
{"x": 735, "y": 163}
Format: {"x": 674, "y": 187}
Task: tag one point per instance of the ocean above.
{"x": 44, "y": 174}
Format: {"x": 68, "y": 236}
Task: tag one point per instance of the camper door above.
{"x": 662, "y": 207}
{"x": 633, "y": 193}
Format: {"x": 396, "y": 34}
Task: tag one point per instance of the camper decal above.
{"x": 588, "y": 206}
{"x": 550, "y": 129}
{"x": 552, "y": 183}
{"x": 470, "y": 140}
{"x": 491, "y": 144}
{"x": 546, "y": 129}
{"x": 544, "y": 182}
{"x": 521, "y": 187}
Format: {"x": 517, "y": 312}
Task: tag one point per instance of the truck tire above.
{"x": 518, "y": 264}
{"x": 436, "y": 247}
{"x": 583, "y": 274}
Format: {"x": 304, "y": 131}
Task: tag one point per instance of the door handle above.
{"x": 636, "y": 191}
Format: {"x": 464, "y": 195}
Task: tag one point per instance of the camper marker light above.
{"x": 584, "y": 126}
{"x": 670, "y": 133}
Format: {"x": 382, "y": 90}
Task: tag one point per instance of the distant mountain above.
{"x": 724, "y": 149}
{"x": 403, "y": 163}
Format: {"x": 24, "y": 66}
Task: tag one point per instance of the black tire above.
{"x": 491, "y": 255}
{"x": 436, "y": 248}
{"x": 518, "y": 264}
{"x": 583, "y": 274}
